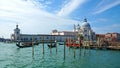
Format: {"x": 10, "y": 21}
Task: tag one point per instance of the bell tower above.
{"x": 16, "y": 34}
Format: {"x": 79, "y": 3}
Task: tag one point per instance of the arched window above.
{"x": 30, "y": 39}
{"x": 17, "y": 32}
{"x": 85, "y": 35}
{"x": 47, "y": 37}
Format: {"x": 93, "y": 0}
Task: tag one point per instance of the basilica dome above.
{"x": 85, "y": 24}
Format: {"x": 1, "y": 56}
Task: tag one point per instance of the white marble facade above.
{"x": 85, "y": 30}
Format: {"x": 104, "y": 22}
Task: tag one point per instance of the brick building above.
{"x": 112, "y": 37}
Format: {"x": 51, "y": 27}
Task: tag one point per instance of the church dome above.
{"x": 85, "y": 24}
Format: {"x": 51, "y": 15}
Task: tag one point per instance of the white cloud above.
{"x": 70, "y": 7}
{"x": 99, "y": 20}
{"x": 30, "y": 18}
{"x": 103, "y": 6}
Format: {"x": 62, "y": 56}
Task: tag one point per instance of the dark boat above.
{"x": 61, "y": 43}
{"x": 52, "y": 45}
{"x": 26, "y": 44}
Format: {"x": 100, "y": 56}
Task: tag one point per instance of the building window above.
{"x": 26, "y": 39}
{"x": 85, "y": 30}
{"x": 35, "y": 38}
{"x": 30, "y": 39}
{"x": 17, "y": 38}
{"x": 21, "y": 38}
{"x": 85, "y": 34}
{"x": 17, "y": 32}
{"x": 40, "y": 38}
{"x": 47, "y": 37}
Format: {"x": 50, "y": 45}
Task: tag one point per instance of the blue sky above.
{"x": 42, "y": 16}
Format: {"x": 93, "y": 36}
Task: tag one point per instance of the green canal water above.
{"x": 13, "y": 57}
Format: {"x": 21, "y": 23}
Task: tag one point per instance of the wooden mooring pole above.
{"x": 56, "y": 45}
{"x": 64, "y": 50}
{"x": 51, "y": 44}
{"x": 90, "y": 42}
{"x": 74, "y": 47}
{"x": 80, "y": 49}
{"x": 32, "y": 46}
{"x": 85, "y": 48}
{"x": 74, "y": 52}
{"x": 43, "y": 46}
{"x": 69, "y": 43}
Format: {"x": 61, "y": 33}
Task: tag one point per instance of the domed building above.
{"x": 85, "y": 30}
{"x": 85, "y": 24}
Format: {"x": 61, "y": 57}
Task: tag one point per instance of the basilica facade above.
{"x": 85, "y": 30}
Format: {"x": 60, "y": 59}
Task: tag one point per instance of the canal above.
{"x": 13, "y": 57}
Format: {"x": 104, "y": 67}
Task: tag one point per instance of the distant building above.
{"x": 17, "y": 36}
{"x": 110, "y": 37}
{"x": 85, "y": 30}
{"x": 114, "y": 37}
{"x": 100, "y": 37}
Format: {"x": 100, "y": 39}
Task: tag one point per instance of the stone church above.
{"x": 85, "y": 30}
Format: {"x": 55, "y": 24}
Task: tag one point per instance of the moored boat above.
{"x": 75, "y": 44}
{"x": 26, "y": 44}
{"x": 52, "y": 45}
{"x": 61, "y": 43}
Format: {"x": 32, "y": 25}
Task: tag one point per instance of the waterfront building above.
{"x": 66, "y": 33}
{"x": 112, "y": 37}
{"x": 85, "y": 30}
{"x": 100, "y": 39}
{"x": 17, "y": 36}
{"x": 100, "y": 36}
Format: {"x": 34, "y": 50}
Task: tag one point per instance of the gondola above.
{"x": 52, "y": 45}
{"x": 25, "y": 44}
{"x": 22, "y": 46}
{"x": 61, "y": 43}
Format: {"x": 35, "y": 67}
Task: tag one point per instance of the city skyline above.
{"x": 43, "y": 16}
